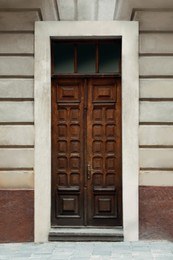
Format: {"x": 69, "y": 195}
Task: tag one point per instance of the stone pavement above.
{"x": 142, "y": 250}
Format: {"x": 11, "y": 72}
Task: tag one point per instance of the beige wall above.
{"x": 16, "y": 98}
{"x": 156, "y": 87}
{"x": 17, "y": 23}
{"x": 16, "y": 87}
{"x": 156, "y": 96}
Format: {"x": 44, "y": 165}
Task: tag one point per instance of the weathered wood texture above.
{"x": 86, "y": 152}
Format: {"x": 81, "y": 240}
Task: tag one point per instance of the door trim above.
{"x": 130, "y": 116}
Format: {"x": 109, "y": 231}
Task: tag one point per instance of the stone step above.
{"x": 86, "y": 234}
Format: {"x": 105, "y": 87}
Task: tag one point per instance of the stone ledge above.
{"x": 86, "y": 234}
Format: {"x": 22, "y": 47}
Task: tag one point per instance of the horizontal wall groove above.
{"x": 155, "y": 54}
{"x": 16, "y": 146}
{"x": 156, "y": 169}
{"x": 155, "y": 123}
{"x": 16, "y": 99}
{"x": 156, "y": 99}
{"x": 163, "y": 9}
{"x": 19, "y": 170}
{"x": 19, "y": 10}
{"x": 17, "y": 32}
{"x": 16, "y": 189}
{"x": 156, "y": 77}
{"x": 16, "y": 77}
{"x": 156, "y": 146}
{"x": 16, "y": 123}
{"x": 155, "y": 31}
{"x": 16, "y": 54}
{"x": 16, "y": 169}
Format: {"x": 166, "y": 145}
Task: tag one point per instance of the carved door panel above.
{"x": 86, "y": 152}
{"x": 104, "y": 152}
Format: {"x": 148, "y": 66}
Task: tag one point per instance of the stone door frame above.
{"x": 128, "y": 31}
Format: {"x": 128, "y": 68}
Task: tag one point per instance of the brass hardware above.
{"x": 90, "y": 171}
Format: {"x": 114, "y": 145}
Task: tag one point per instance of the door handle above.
{"x": 90, "y": 171}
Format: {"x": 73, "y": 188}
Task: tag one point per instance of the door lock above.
{"x": 90, "y": 171}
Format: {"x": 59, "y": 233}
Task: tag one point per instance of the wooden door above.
{"x": 86, "y": 152}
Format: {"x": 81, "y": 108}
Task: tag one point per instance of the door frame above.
{"x": 128, "y": 31}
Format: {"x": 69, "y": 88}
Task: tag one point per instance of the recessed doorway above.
{"x": 86, "y": 133}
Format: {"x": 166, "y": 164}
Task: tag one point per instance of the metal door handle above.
{"x": 90, "y": 171}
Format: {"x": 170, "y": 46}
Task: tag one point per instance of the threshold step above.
{"x": 86, "y": 234}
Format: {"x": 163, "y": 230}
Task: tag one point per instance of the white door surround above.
{"x": 44, "y": 31}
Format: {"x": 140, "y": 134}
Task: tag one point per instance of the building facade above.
{"x": 86, "y": 125}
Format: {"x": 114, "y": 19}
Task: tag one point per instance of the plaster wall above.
{"x": 156, "y": 100}
{"x": 17, "y": 96}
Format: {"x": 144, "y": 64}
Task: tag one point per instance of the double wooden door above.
{"x": 86, "y": 152}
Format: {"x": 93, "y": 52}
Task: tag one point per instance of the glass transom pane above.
{"x": 63, "y": 58}
{"x": 109, "y": 57}
{"x": 86, "y": 56}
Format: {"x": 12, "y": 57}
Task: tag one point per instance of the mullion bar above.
{"x": 97, "y": 57}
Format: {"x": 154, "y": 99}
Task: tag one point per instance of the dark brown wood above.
{"x": 67, "y": 147}
{"x": 86, "y": 152}
{"x": 84, "y": 76}
{"x": 104, "y": 152}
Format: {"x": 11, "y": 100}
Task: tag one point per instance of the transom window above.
{"x": 86, "y": 57}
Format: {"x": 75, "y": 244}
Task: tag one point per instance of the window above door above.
{"x": 86, "y": 57}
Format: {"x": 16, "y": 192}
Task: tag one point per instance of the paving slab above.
{"x": 141, "y": 250}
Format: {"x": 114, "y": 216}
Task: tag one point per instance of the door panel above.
{"x": 67, "y": 144}
{"x": 104, "y": 152}
{"x": 86, "y": 152}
